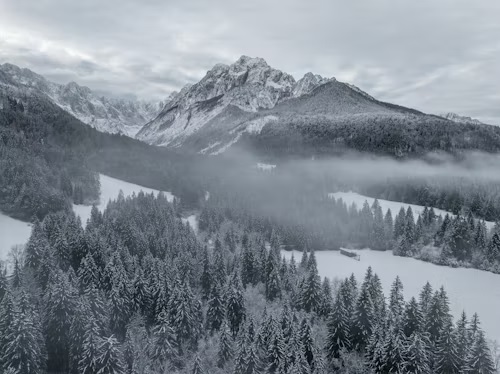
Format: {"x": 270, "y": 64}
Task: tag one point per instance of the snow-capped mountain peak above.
{"x": 105, "y": 114}
{"x": 248, "y": 84}
{"x": 460, "y": 119}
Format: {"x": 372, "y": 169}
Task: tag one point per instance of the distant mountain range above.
{"x": 252, "y": 105}
{"x": 461, "y": 119}
{"x": 105, "y": 114}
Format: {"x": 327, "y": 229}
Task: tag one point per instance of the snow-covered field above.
{"x": 110, "y": 188}
{"x": 468, "y": 289}
{"x": 12, "y": 232}
{"x": 394, "y": 206}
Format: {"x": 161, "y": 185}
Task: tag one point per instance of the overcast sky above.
{"x": 433, "y": 55}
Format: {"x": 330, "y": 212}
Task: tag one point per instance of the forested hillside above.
{"x": 50, "y": 159}
{"x": 135, "y": 292}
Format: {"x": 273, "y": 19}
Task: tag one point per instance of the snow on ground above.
{"x": 193, "y": 222}
{"x": 394, "y": 206}
{"x": 468, "y": 289}
{"x": 265, "y": 167}
{"x": 12, "y": 232}
{"x": 110, "y": 188}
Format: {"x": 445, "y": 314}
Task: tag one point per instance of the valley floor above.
{"x": 468, "y": 289}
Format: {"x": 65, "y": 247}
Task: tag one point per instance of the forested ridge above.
{"x": 50, "y": 159}
{"x": 137, "y": 292}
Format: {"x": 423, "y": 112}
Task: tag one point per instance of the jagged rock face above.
{"x": 104, "y": 114}
{"x": 249, "y": 84}
{"x": 461, "y": 119}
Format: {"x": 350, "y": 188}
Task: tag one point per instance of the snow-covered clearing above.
{"x": 468, "y": 289}
{"x": 394, "y": 206}
{"x": 12, "y": 232}
{"x": 110, "y": 188}
{"x": 193, "y": 222}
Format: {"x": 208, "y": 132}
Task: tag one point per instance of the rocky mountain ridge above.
{"x": 104, "y": 114}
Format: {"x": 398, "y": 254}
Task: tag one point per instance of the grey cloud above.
{"x": 433, "y": 56}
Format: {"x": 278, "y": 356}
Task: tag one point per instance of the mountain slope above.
{"x": 104, "y": 114}
{"x": 251, "y": 104}
{"x": 249, "y": 84}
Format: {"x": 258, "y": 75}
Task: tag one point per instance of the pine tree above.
{"x": 307, "y": 343}
{"x": 399, "y": 223}
{"x": 7, "y": 316}
{"x": 163, "y": 348}
{"x": 412, "y": 320}
{"x": 425, "y": 299}
{"x": 216, "y": 310}
{"x": 22, "y": 350}
{"x": 447, "y": 360}
{"x": 396, "y": 300}
{"x": 379, "y": 229}
{"x": 90, "y": 348}
{"x": 480, "y": 360}
{"x": 197, "y": 367}
{"x": 338, "y": 337}
{"x": 60, "y": 306}
{"x": 88, "y": 273}
{"x": 311, "y": 297}
{"x": 225, "y": 346}
{"x": 462, "y": 338}
{"x": 493, "y": 251}
{"x": 206, "y": 275}
{"x": 393, "y": 351}
{"x": 109, "y": 360}
{"x": 388, "y": 226}
{"x": 276, "y": 354}
{"x": 235, "y": 304}
{"x": 416, "y": 355}
{"x": 362, "y": 319}
{"x": 273, "y": 284}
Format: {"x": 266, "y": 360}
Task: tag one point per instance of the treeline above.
{"x": 456, "y": 195}
{"x": 306, "y": 220}
{"x": 136, "y": 292}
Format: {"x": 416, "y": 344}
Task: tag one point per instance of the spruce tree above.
{"x": 235, "y": 304}
{"x": 60, "y": 306}
{"x": 416, "y": 355}
{"x": 480, "y": 360}
{"x": 197, "y": 368}
{"x": 225, "y": 346}
{"x": 362, "y": 319}
{"x": 90, "y": 348}
{"x": 338, "y": 336}
{"x": 412, "y": 320}
{"x": 163, "y": 348}
{"x": 110, "y": 359}
{"x": 216, "y": 310}
{"x": 23, "y": 351}
{"x": 447, "y": 360}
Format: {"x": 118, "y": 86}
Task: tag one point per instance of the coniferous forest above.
{"x": 136, "y": 291}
